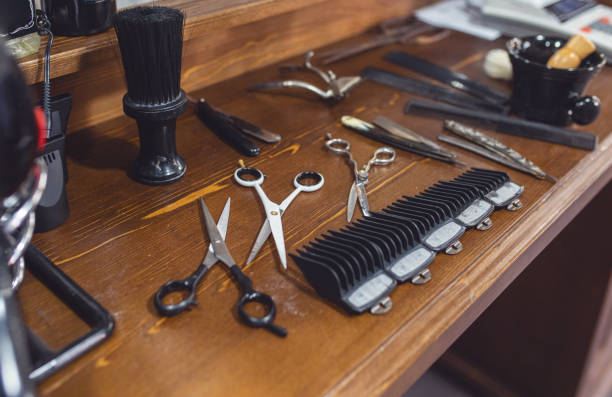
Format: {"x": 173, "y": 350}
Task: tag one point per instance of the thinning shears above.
{"x": 382, "y": 156}
{"x": 217, "y": 251}
{"x": 272, "y": 224}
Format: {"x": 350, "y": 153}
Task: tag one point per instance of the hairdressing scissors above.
{"x": 217, "y": 251}
{"x": 273, "y": 224}
{"x": 382, "y": 156}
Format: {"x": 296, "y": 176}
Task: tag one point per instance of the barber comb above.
{"x": 151, "y": 43}
{"x": 358, "y": 266}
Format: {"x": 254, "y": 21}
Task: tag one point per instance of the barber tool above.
{"x": 504, "y": 124}
{"x": 572, "y": 53}
{"x": 53, "y": 209}
{"x": 456, "y": 80}
{"x": 382, "y": 156}
{"x": 273, "y": 224}
{"x": 386, "y": 131}
{"x": 232, "y": 129}
{"x": 428, "y": 90}
{"x": 80, "y": 17}
{"x": 337, "y": 88}
{"x": 358, "y": 266}
{"x": 550, "y": 95}
{"x": 396, "y": 30}
{"x": 218, "y": 252}
{"x": 272, "y": 221}
{"x": 496, "y": 187}
{"x": 151, "y": 43}
{"x": 492, "y": 149}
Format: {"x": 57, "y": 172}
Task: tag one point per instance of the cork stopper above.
{"x": 572, "y": 53}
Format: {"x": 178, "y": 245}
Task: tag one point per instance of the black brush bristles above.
{"x": 151, "y": 43}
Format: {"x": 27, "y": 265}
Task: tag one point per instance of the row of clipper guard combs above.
{"x": 359, "y": 265}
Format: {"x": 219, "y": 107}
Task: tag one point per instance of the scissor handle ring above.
{"x": 311, "y": 175}
{"x": 383, "y": 155}
{"x": 257, "y": 297}
{"x": 175, "y": 308}
{"x": 267, "y": 321}
{"x": 259, "y": 176}
{"x": 338, "y": 145}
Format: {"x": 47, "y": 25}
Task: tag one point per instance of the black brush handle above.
{"x": 225, "y": 130}
{"x": 504, "y": 124}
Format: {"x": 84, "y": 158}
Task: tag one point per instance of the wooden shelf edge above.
{"x": 202, "y": 17}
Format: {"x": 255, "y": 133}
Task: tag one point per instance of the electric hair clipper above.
{"x": 53, "y": 208}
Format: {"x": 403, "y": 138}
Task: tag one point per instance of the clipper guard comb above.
{"x": 358, "y": 266}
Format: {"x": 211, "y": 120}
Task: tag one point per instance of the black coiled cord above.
{"x": 44, "y": 28}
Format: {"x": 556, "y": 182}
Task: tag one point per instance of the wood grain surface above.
{"x": 548, "y": 319}
{"x": 68, "y": 52}
{"x": 123, "y": 240}
{"x": 220, "y": 43}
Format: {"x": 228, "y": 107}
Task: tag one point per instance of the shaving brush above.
{"x": 151, "y": 44}
{"x": 572, "y": 53}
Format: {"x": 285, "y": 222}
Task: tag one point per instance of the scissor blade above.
{"x": 363, "y": 199}
{"x": 216, "y": 239}
{"x": 352, "y": 202}
{"x": 210, "y": 258}
{"x": 263, "y": 235}
{"x": 277, "y": 233}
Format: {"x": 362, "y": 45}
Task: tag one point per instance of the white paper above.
{"x": 130, "y": 3}
{"x": 456, "y": 15}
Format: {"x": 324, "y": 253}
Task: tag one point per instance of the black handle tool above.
{"x": 224, "y": 129}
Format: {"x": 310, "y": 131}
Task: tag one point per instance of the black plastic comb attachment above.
{"x": 360, "y": 264}
{"x": 440, "y": 232}
{"x": 464, "y": 203}
{"x": 352, "y": 261}
{"x": 342, "y": 269}
{"x": 408, "y": 260}
{"x": 346, "y": 255}
{"x": 497, "y": 187}
{"x": 387, "y": 248}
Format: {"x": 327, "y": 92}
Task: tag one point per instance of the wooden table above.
{"x": 123, "y": 240}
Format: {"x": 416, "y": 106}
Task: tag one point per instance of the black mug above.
{"x": 549, "y": 95}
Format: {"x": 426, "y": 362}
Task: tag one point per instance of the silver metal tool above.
{"x": 387, "y": 131}
{"x": 272, "y": 224}
{"x": 337, "y": 87}
{"x": 492, "y": 149}
{"x": 218, "y": 252}
{"x": 382, "y": 156}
